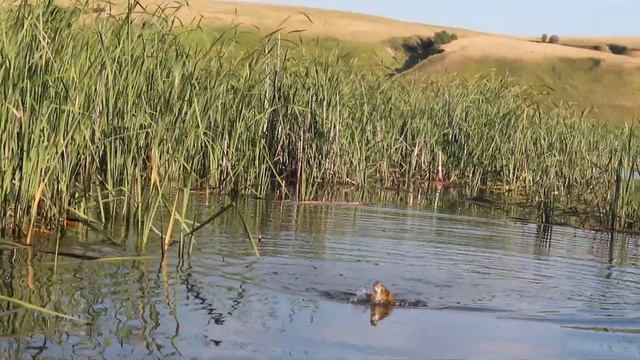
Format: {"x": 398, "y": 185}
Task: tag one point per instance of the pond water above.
{"x": 477, "y": 287}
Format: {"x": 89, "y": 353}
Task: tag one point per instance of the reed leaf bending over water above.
{"x": 116, "y": 112}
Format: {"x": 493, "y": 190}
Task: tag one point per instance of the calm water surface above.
{"x": 479, "y": 288}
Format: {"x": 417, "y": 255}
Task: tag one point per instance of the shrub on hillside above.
{"x": 417, "y": 49}
{"x": 443, "y": 37}
{"x": 544, "y": 37}
{"x": 618, "y": 49}
{"x": 554, "y": 39}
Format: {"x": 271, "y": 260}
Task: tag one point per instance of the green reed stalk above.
{"x": 125, "y": 107}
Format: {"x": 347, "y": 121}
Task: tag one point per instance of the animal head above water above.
{"x": 381, "y": 295}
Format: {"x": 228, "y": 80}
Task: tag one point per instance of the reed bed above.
{"x": 109, "y": 120}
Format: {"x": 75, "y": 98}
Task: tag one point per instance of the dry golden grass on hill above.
{"x": 308, "y": 21}
{"x": 355, "y": 27}
{"x": 607, "y": 84}
{"x": 633, "y": 43}
{"x": 498, "y": 47}
{"x": 602, "y": 42}
{"x": 630, "y": 41}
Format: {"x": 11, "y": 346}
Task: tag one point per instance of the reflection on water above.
{"x": 379, "y": 312}
{"x": 473, "y": 287}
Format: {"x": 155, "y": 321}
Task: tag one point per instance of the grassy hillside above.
{"x": 630, "y": 41}
{"x": 608, "y": 84}
{"x": 608, "y": 92}
{"x": 311, "y": 22}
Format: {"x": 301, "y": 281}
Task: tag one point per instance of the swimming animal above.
{"x": 380, "y": 295}
{"x": 382, "y": 302}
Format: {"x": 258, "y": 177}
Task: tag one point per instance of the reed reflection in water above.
{"x": 479, "y": 286}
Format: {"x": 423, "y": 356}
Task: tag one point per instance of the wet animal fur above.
{"x": 380, "y": 295}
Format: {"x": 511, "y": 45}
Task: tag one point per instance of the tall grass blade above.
{"x": 40, "y": 309}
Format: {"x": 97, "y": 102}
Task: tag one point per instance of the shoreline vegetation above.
{"x": 106, "y": 119}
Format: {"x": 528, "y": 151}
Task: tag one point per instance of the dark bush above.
{"x": 417, "y": 49}
{"x": 554, "y": 39}
{"x": 618, "y": 49}
{"x": 545, "y": 37}
{"x": 443, "y": 37}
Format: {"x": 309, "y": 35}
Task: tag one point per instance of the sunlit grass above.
{"x": 101, "y": 121}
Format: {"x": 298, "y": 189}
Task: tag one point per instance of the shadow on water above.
{"x": 462, "y": 274}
